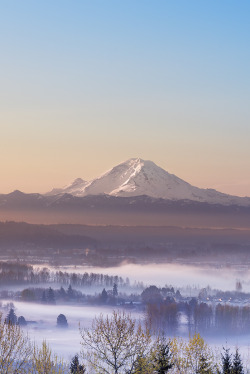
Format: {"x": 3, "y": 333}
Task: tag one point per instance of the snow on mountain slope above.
{"x": 136, "y": 177}
{"x": 72, "y": 188}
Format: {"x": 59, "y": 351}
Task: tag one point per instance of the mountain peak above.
{"x": 17, "y": 193}
{"x": 139, "y": 161}
{"x": 136, "y": 177}
{"x": 78, "y": 180}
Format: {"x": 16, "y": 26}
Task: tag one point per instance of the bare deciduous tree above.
{"x": 114, "y": 343}
{"x": 15, "y": 349}
{"x": 44, "y": 362}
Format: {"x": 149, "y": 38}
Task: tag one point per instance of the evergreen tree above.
{"x": 51, "y": 296}
{"x": 70, "y": 292}
{"x": 11, "y": 317}
{"x": 62, "y": 321}
{"x": 62, "y": 293}
{"x": 104, "y": 296}
{"x": 178, "y": 294}
{"x": 237, "y": 367}
{"x": 75, "y": 367}
{"x": 21, "y": 321}
{"x": 115, "y": 290}
{"x": 226, "y": 362}
{"x": 44, "y": 298}
{"x": 162, "y": 360}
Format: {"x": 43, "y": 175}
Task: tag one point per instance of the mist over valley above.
{"x": 125, "y": 187}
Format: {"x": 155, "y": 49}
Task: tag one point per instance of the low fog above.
{"x": 64, "y": 341}
{"x": 179, "y": 275}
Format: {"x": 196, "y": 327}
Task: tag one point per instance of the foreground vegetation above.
{"x": 116, "y": 344}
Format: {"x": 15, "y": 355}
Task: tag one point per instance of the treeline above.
{"x": 15, "y": 273}
{"x": 200, "y": 317}
{"x": 222, "y": 318}
{"x": 167, "y": 310}
{"x": 66, "y": 295}
{"x": 167, "y": 314}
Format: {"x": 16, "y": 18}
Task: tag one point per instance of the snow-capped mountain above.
{"x": 78, "y": 185}
{"x": 136, "y": 177}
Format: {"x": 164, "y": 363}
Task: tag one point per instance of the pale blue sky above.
{"x": 87, "y": 84}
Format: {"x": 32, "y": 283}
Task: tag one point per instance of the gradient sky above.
{"x": 85, "y": 85}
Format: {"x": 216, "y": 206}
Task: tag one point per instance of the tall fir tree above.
{"x": 237, "y": 367}
{"x": 70, "y": 292}
{"x": 11, "y": 317}
{"x": 226, "y": 361}
{"x": 115, "y": 290}
{"x": 62, "y": 293}
{"x": 163, "y": 358}
{"x": 44, "y": 298}
{"x": 104, "y": 296}
{"x": 75, "y": 367}
{"x": 51, "y": 296}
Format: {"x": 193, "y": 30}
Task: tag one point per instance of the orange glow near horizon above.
{"x": 83, "y": 94}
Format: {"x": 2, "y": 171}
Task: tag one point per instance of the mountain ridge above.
{"x": 137, "y": 177}
{"x": 114, "y": 210}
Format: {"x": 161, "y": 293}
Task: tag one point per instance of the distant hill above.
{"x": 113, "y": 210}
{"x": 24, "y": 235}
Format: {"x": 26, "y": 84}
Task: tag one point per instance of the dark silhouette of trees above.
{"x": 226, "y": 359}
{"x": 11, "y": 317}
{"x": 75, "y": 367}
{"x": 28, "y": 295}
{"x": 21, "y": 321}
{"x": 62, "y": 321}
{"x": 70, "y": 292}
{"x": 16, "y": 273}
{"x": 62, "y": 293}
{"x": 104, "y": 296}
{"x": 202, "y": 317}
{"x": 51, "y": 296}
{"x": 163, "y": 317}
{"x": 237, "y": 367}
{"x": 151, "y": 295}
{"x": 229, "y": 365}
{"x": 238, "y": 286}
{"x": 115, "y": 290}
{"x": 227, "y": 318}
{"x": 162, "y": 362}
{"x": 178, "y": 295}
{"x": 44, "y": 298}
